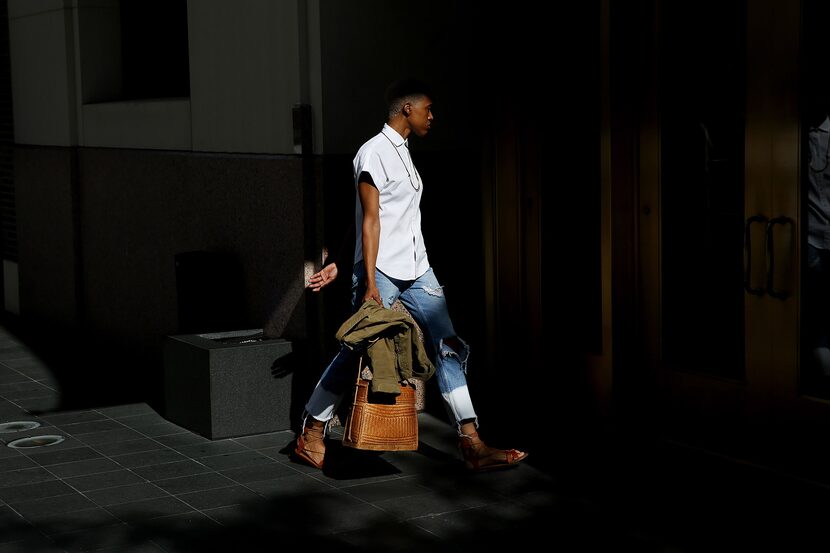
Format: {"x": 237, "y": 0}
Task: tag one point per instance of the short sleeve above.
{"x": 369, "y": 162}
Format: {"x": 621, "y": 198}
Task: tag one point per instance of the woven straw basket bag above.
{"x": 381, "y": 426}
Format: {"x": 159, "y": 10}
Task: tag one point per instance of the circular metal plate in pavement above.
{"x": 17, "y": 426}
{"x": 36, "y": 441}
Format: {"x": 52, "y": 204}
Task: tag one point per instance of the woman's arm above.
{"x": 370, "y": 200}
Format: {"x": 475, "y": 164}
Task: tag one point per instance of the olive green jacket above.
{"x": 392, "y": 344}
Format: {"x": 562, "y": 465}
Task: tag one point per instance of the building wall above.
{"x": 246, "y": 74}
{"x": 8, "y": 216}
{"x": 45, "y": 191}
{"x": 100, "y": 229}
{"x": 138, "y": 209}
{"x": 112, "y": 188}
{"x": 41, "y": 39}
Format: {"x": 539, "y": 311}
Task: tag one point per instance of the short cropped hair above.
{"x": 405, "y": 90}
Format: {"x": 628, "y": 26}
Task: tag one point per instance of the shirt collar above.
{"x": 393, "y": 135}
{"x": 825, "y": 125}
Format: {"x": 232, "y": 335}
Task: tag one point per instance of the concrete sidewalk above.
{"x": 124, "y": 479}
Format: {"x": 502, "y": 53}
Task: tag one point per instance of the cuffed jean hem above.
{"x": 322, "y": 405}
{"x": 459, "y": 406}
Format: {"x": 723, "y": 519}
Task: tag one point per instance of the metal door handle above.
{"x": 748, "y": 249}
{"x": 780, "y": 294}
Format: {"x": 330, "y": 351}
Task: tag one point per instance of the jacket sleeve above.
{"x": 422, "y": 367}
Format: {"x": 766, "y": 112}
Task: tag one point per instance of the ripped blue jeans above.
{"x": 424, "y": 299}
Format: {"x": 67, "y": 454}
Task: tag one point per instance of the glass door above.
{"x": 720, "y": 221}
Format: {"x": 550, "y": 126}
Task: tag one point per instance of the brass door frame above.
{"x": 724, "y": 402}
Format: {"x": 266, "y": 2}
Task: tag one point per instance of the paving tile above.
{"x": 31, "y": 390}
{"x": 231, "y": 515}
{"x": 125, "y": 494}
{"x": 295, "y": 485}
{"x": 35, "y": 373}
{"x": 54, "y": 505}
{"x": 220, "y": 497}
{"x": 87, "y": 427}
{"x": 12, "y": 377}
{"x": 160, "y": 429}
{"x": 25, "y": 476}
{"x": 15, "y": 527}
{"x": 144, "y": 547}
{"x": 337, "y": 512}
{"x": 191, "y": 531}
{"x": 426, "y": 504}
{"x": 410, "y": 463}
{"x": 235, "y": 460}
{"x": 129, "y": 446}
{"x": 10, "y": 411}
{"x": 280, "y": 454}
{"x": 50, "y": 381}
{"x": 464, "y": 488}
{"x": 83, "y": 468}
{"x": 109, "y": 436}
{"x": 478, "y": 521}
{"x": 390, "y": 489}
{"x": 26, "y": 492}
{"x": 143, "y": 419}
{"x": 60, "y": 418}
{"x": 390, "y": 537}
{"x": 177, "y": 440}
{"x": 208, "y": 449}
{"x": 15, "y": 462}
{"x": 254, "y": 473}
{"x": 171, "y": 470}
{"x": 262, "y": 441}
{"x": 145, "y": 458}
{"x": 149, "y": 508}
{"x": 194, "y": 483}
{"x": 127, "y": 410}
{"x": 73, "y": 521}
{"x": 56, "y": 456}
{"x": 7, "y": 452}
{"x": 33, "y": 368}
{"x": 15, "y": 357}
{"x": 115, "y": 535}
{"x": 19, "y": 386}
{"x": 38, "y": 404}
{"x": 4, "y": 368}
{"x": 104, "y": 480}
{"x": 339, "y": 478}
{"x": 20, "y": 357}
{"x": 36, "y": 544}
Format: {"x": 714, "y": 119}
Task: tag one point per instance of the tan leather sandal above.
{"x": 479, "y": 457}
{"x": 311, "y": 446}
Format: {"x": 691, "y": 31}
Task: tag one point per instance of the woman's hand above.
{"x": 324, "y": 277}
{"x": 372, "y": 293}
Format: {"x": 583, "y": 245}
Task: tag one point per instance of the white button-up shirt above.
{"x": 401, "y": 251}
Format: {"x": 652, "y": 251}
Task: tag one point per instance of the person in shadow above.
{"x": 817, "y": 280}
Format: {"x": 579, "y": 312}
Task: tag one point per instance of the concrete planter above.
{"x": 222, "y": 385}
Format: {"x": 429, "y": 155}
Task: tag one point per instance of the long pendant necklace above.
{"x": 408, "y": 174}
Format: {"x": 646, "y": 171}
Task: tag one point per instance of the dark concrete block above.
{"x": 223, "y": 385}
